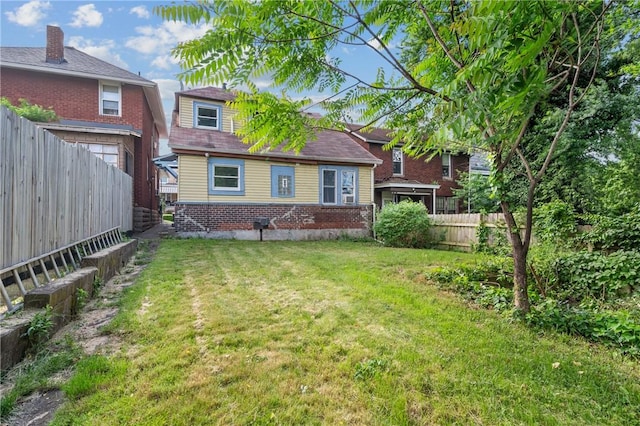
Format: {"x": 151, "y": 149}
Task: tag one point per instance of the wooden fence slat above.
{"x": 52, "y": 193}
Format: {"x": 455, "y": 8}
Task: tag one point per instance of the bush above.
{"x": 615, "y": 233}
{"x": 555, "y": 223}
{"x": 584, "y": 275}
{"x": 405, "y": 224}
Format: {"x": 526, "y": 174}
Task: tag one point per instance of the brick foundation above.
{"x": 287, "y": 221}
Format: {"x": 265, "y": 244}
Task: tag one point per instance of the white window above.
{"x": 108, "y": 153}
{"x": 207, "y": 116}
{"x": 328, "y": 186}
{"x": 446, "y": 165}
{"x": 110, "y": 99}
{"x": 397, "y": 161}
{"x": 226, "y": 177}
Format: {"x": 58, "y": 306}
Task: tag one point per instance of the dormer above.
{"x": 205, "y": 108}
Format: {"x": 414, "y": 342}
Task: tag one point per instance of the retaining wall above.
{"x": 62, "y": 295}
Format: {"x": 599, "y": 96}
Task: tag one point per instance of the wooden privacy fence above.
{"x": 54, "y": 194}
{"x": 459, "y": 231}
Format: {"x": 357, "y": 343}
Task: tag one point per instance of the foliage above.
{"x": 370, "y": 368}
{"x": 595, "y": 275}
{"x": 482, "y": 71}
{"x": 31, "y": 112}
{"x": 404, "y": 224}
{"x": 487, "y": 284}
{"x": 615, "y": 232}
{"x": 555, "y": 223}
{"x": 39, "y": 328}
{"x": 81, "y": 299}
{"x": 620, "y": 329}
{"x": 475, "y": 192}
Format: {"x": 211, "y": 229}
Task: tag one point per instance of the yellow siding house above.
{"x": 224, "y": 191}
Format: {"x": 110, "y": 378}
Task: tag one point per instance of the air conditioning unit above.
{"x": 348, "y": 199}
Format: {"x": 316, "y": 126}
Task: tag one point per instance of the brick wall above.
{"x": 229, "y": 217}
{"x": 72, "y": 98}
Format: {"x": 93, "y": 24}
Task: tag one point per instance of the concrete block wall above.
{"x": 62, "y": 296}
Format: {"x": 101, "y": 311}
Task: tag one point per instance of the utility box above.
{"x": 261, "y": 223}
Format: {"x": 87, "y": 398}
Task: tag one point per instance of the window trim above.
{"x": 225, "y": 162}
{"x": 101, "y": 99}
{"x": 448, "y": 165}
{"x": 338, "y": 185}
{"x": 401, "y": 162}
{"x": 217, "y": 108}
{"x": 276, "y": 172}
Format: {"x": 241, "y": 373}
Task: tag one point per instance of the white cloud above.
{"x": 105, "y": 50}
{"x": 29, "y": 14}
{"x": 165, "y": 62}
{"x": 141, "y": 11}
{"x": 86, "y": 16}
{"x": 163, "y": 38}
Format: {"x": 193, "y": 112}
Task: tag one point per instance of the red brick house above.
{"x": 116, "y": 114}
{"x": 400, "y": 177}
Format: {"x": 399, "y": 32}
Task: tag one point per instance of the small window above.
{"x": 207, "y": 116}
{"x": 110, "y": 99}
{"x": 397, "y": 161}
{"x": 328, "y": 187}
{"x": 445, "y": 205}
{"x": 226, "y": 176}
{"x": 446, "y": 165}
{"x": 282, "y": 182}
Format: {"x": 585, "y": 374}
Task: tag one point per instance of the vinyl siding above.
{"x": 192, "y": 183}
{"x": 186, "y": 113}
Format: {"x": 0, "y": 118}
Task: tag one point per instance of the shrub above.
{"x": 555, "y": 223}
{"x": 615, "y": 233}
{"x": 405, "y": 224}
{"x": 584, "y": 275}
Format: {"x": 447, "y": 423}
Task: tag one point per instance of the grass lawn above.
{"x": 291, "y": 333}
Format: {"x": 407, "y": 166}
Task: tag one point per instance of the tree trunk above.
{"x": 519, "y": 251}
{"x": 520, "y": 288}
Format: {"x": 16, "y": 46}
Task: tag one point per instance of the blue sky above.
{"x": 125, "y": 33}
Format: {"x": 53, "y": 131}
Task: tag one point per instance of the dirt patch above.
{"x": 39, "y": 408}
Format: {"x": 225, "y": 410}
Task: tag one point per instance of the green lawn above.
{"x": 290, "y": 333}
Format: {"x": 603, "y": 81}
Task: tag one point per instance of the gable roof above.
{"x": 330, "y": 146}
{"x": 82, "y": 65}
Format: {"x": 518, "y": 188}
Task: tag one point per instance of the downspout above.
{"x": 433, "y": 202}
{"x": 373, "y": 201}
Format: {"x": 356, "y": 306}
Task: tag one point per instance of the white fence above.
{"x": 52, "y": 193}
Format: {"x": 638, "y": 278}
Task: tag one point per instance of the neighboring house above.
{"x": 224, "y": 191}
{"x": 400, "y": 177}
{"x": 168, "y": 178}
{"x": 116, "y": 114}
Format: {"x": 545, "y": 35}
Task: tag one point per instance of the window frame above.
{"x": 338, "y": 187}
{"x": 204, "y": 105}
{"x": 91, "y": 147}
{"x": 448, "y": 166}
{"x": 225, "y": 162}
{"x": 102, "y": 92}
{"x": 276, "y": 172}
{"x": 394, "y": 162}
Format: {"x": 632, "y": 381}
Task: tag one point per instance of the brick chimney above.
{"x": 55, "y": 45}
